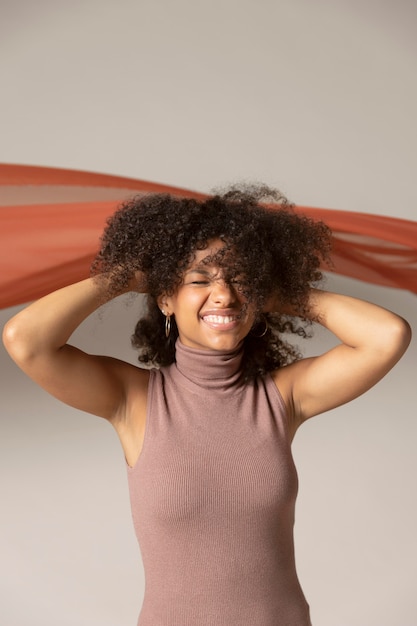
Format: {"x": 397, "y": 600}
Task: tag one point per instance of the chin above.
{"x": 213, "y": 343}
{"x": 224, "y": 343}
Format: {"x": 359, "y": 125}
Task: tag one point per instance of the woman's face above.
{"x": 210, "y": 313}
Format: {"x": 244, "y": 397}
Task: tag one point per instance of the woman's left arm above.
{"x": 372, "y": 340}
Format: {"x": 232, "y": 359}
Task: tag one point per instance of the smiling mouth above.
{"x": 220, "y": 319}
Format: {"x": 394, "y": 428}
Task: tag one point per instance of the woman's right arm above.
{"x": 36, "y": 339}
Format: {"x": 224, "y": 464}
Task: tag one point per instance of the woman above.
{"x": 207, "y": 431}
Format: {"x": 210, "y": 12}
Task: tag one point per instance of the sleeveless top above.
{"x": 213, "y": 495}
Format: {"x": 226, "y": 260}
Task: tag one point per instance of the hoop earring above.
{"x": 167, "y": 325}
{"x": 264, "y": 331}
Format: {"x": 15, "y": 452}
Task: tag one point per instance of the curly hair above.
{"x": 271, "y": 250}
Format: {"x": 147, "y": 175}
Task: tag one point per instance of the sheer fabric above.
{"x": 51, "y": 221}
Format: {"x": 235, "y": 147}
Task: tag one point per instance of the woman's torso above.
{"x": 213, "y": 496}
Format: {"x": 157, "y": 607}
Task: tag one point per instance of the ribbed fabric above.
{"x": 213, "y": 495}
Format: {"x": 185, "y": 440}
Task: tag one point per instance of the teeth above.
{"x": 220, "y": 319}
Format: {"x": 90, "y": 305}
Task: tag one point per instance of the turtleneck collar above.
{"x": 210, "y": 369}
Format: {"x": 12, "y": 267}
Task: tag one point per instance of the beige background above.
{"x": 316, "y": 97}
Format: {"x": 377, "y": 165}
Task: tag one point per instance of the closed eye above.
{"x": 197, "y": 277}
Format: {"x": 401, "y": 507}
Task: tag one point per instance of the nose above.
{"x": 223, "y": 293}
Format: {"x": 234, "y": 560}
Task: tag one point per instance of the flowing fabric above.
{"x": 52, "y": 219}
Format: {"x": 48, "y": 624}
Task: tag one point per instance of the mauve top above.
{"x": 213, "y": 495}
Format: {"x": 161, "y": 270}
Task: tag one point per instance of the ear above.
{"x": 164, "y": 304}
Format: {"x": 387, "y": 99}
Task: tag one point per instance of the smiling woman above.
{"x": 210, "y": 312}
{"x": 207, "y": 428}
{"x": 264, "y": 254}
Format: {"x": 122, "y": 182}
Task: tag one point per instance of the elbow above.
{"x": 13, "y": 341}
{"x": 399, "y": 337}
{"x": 8, "y": 336}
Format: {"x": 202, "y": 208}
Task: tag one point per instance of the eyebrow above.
{"x": 198, "y": 270}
